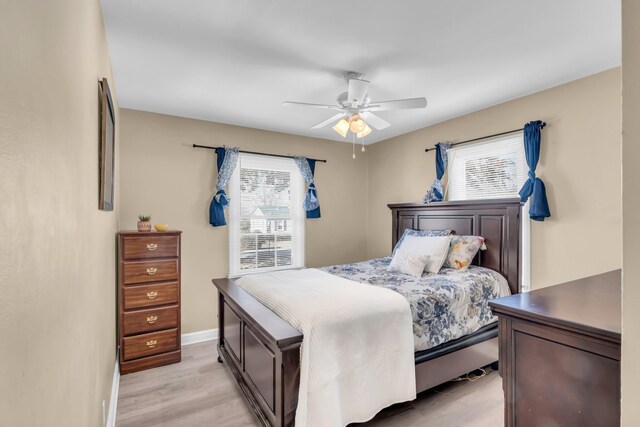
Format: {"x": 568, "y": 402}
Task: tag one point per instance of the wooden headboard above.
{"x": 498, "y": 221}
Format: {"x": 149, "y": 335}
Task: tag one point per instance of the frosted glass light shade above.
{"x": 366, "y": 131}
{"x": 342, "y": 127}
{"x": 357, "y": 124}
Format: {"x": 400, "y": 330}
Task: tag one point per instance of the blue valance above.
{"x": 311, "y": 204}
{"x": 435, "y": 193}
{"x": 534, "y": 187}
{"x": 226, "y": 162}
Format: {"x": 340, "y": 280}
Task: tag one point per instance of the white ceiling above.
{"x": 235, "y": 61}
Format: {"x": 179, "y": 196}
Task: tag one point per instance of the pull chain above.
{"x": 353, "y": 145}
{"x": 363, "y": 144}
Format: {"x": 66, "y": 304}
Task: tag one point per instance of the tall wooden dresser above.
{"x": 148, "y": 299}
{"x": 560, "y": 354}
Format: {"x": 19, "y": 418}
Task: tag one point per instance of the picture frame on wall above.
{"x": 107, "y": 147}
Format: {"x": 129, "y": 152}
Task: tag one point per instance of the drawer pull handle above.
{"x": 152, "y": 294}
{"x": 152, "y": 319}
{"x": 151, "y": 271}
{"x": 152, "y": 246}
{"x": 152, "y": 343}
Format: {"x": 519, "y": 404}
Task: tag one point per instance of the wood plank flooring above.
{"x": 200, "y": 392}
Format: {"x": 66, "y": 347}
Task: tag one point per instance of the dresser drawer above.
{"x": 149, "y": 246}
{"x": 140, "y": 296}
{"x": 149, "y": 344}
{"x": 150, "y": 271}
{"x": 154, "y": 319}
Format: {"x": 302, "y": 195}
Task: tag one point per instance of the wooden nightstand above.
{"x": 148, "y": 299}
{"x": 560, "y": 353}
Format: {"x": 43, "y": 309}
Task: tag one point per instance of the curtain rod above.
{"x": 485, "y": 137}
{"x": 255, "y": 152}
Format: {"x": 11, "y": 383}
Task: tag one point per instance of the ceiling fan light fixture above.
{"x": 355, "y": 109}
{"x": 342, "y": 127}
{"x": 357, "y": 124}
{"x": 366, "y": 131}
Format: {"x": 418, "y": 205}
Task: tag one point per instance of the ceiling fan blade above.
{"x": 398, "y": 104}
{"x": 375, "y": 121}
{"x": 328, "y": 121}
{"x": 357, "y": 91}
{"x": 304, "y": 104}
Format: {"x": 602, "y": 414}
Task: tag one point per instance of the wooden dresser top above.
{"x": 591, "y": 305}
{"x": 147, "y": 233}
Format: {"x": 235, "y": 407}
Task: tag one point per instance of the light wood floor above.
{"x": 200, "y": 392}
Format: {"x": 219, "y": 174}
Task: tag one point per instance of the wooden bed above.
{"x": 262, "y": 351}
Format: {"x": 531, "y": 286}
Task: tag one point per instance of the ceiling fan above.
{"x": 356, "y": 108}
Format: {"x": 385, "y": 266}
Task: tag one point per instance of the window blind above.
{"x": 492, "y": 169}
{"x": 266, "y": 219}
{"x": 487, "y": 170}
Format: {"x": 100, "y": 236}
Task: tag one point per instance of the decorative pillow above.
{"x": 407, "y": 262}
{"x": 436, "y": 247}
{"x": 420, "y": 233}
{"x": 462, "y": 251}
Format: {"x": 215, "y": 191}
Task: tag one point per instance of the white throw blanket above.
{"x": 357, "y": 351}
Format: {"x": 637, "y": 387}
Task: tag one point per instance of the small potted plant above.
{"x": 145, "y": 223}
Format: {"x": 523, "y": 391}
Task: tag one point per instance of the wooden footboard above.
{"x": 262, "y": 351}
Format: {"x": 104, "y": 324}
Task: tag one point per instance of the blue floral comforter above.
{"x": 444, "y": 306}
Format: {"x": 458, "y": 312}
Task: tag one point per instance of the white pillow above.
{"x": 408, "y": 263}
{"x": 437, "y": 247}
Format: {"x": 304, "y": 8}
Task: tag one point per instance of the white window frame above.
{"x": 525, "y": 219}
{"x": 297, "y": 185}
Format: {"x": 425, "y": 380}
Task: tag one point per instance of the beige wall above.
{"x": 165, "y": 177}
{"x": 631, "y": 213}
{"x": 580, "y": 165}
{"x": 57, "y": 258}
{"x": 168, "y": 179}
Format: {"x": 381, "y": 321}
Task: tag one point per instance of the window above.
{"x": 266, "y": 219}
{"x": 492, "y": 169}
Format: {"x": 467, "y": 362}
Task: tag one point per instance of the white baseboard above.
{"x": 199, "y": 336}
{"x": 113, "y": 401}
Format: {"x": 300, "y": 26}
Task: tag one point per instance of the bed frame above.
{"x": 262, "y": 351}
